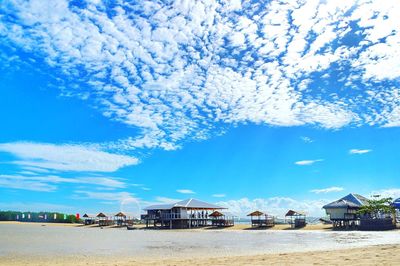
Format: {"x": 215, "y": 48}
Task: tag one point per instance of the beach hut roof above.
{"x": 197, "y": 204}
{"x": 349, "y": 201}
{"x": 87, "y": 215}
{"x": 255, "y": 213}
{"x": 294, "y": 213}
{"x": 220, "y": 214}
{"x": 101, "y": 215}
{"x": 120, "y": 214}
{"x": 216, "y": 214}
{"x": 188, "y": 203}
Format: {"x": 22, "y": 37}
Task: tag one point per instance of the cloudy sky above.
{"x": 112, "y": 105}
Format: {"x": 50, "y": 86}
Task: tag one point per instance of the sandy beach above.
{"x": 374, "y": 255}
{"x": 68, "y": 244}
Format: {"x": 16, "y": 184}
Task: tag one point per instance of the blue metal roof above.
{"x": 396, "y": 203}
{"x": 349, "y": 201}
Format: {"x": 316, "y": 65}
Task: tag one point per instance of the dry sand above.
{"x": 374, "y": 255}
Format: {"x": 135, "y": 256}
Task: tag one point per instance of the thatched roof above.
{"x": 221, "y": 214}
{"x": 102, "y": 215}
{"x": 120, "y": 214}
{"x": 193, "y": 204}
{"x": 294, "y": 213}
{"x": 216, "y": 214}
{"x": 256, "y": 213}
{"x": 349, "y": 201}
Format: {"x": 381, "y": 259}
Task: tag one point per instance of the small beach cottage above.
{"x": 104, "y": 219}
{"x": 120, "y": 219}
{"x": 343, "y": 212}
{"x": 260, "y": 219}
{"x": 89, "y": 219}
{"x": 296, "y": 219}
{"x": 182, "y": 214}
{"x": 222, "y": 219}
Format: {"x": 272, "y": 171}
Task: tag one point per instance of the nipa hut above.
{"x": 104, "y": 220}
{"x": 260, "y": 219}
{"x": 89, "y": 219}
{"x": 296, "y": 219}
{"x": 120, "y": 219}
{"x": 221, "y": 219}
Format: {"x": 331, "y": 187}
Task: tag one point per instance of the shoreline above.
{"x": 237, "y": 227}
{"x": 368, "y": 255}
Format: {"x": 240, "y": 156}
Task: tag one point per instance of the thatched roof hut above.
{"x": 261, "y": 219}
{"x": 221, "y": 219}
{"x": 297, "y": 219}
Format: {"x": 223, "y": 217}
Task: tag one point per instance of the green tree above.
{"x": 377, "y": 207}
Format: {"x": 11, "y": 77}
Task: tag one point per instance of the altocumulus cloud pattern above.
{"x": 183, "y": 70}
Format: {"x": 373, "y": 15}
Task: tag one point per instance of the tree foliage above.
{"x": 377, "y": 207}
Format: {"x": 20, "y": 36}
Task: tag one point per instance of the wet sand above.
{"x": 50, "y": 244}
{"x": 142, "y": 226}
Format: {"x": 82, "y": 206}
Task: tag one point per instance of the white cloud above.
{"x": 106, "y": 196}
{"x": 118, "y": 201}
{"x": 48, "y": 183}
{"x": 185, "y": 191}
{"x": 166, "y": 200}
{"x": 389, "y": 192}
{"x": 176, "y": 70}
{"x": 308, "y": 162}
{"x": 36, "y": 207}
{"x": 327, "y": 190}
{"x": 306, "y": 139}
{"x": 65, "y": 157}
{"x": 359, "y": 151}
{"x": 276, "y": 206}
{"x": 219, "y": 195}
{"x": 26, "y": 185}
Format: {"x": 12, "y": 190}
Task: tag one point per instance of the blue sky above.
{"x": 256, "y": 105}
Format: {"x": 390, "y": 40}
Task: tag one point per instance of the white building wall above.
{"x": 336, "y": 213}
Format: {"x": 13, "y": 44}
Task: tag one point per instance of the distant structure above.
{"x": 296, "y": 219}
{"x": 89, "y": 219}
{"x": 343, "y": 212}
{"x": 182, "y": 214}
{"x": 261, "y": 220}
{"x": 396, "y": 205}
{"x": 222, "y": 219}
